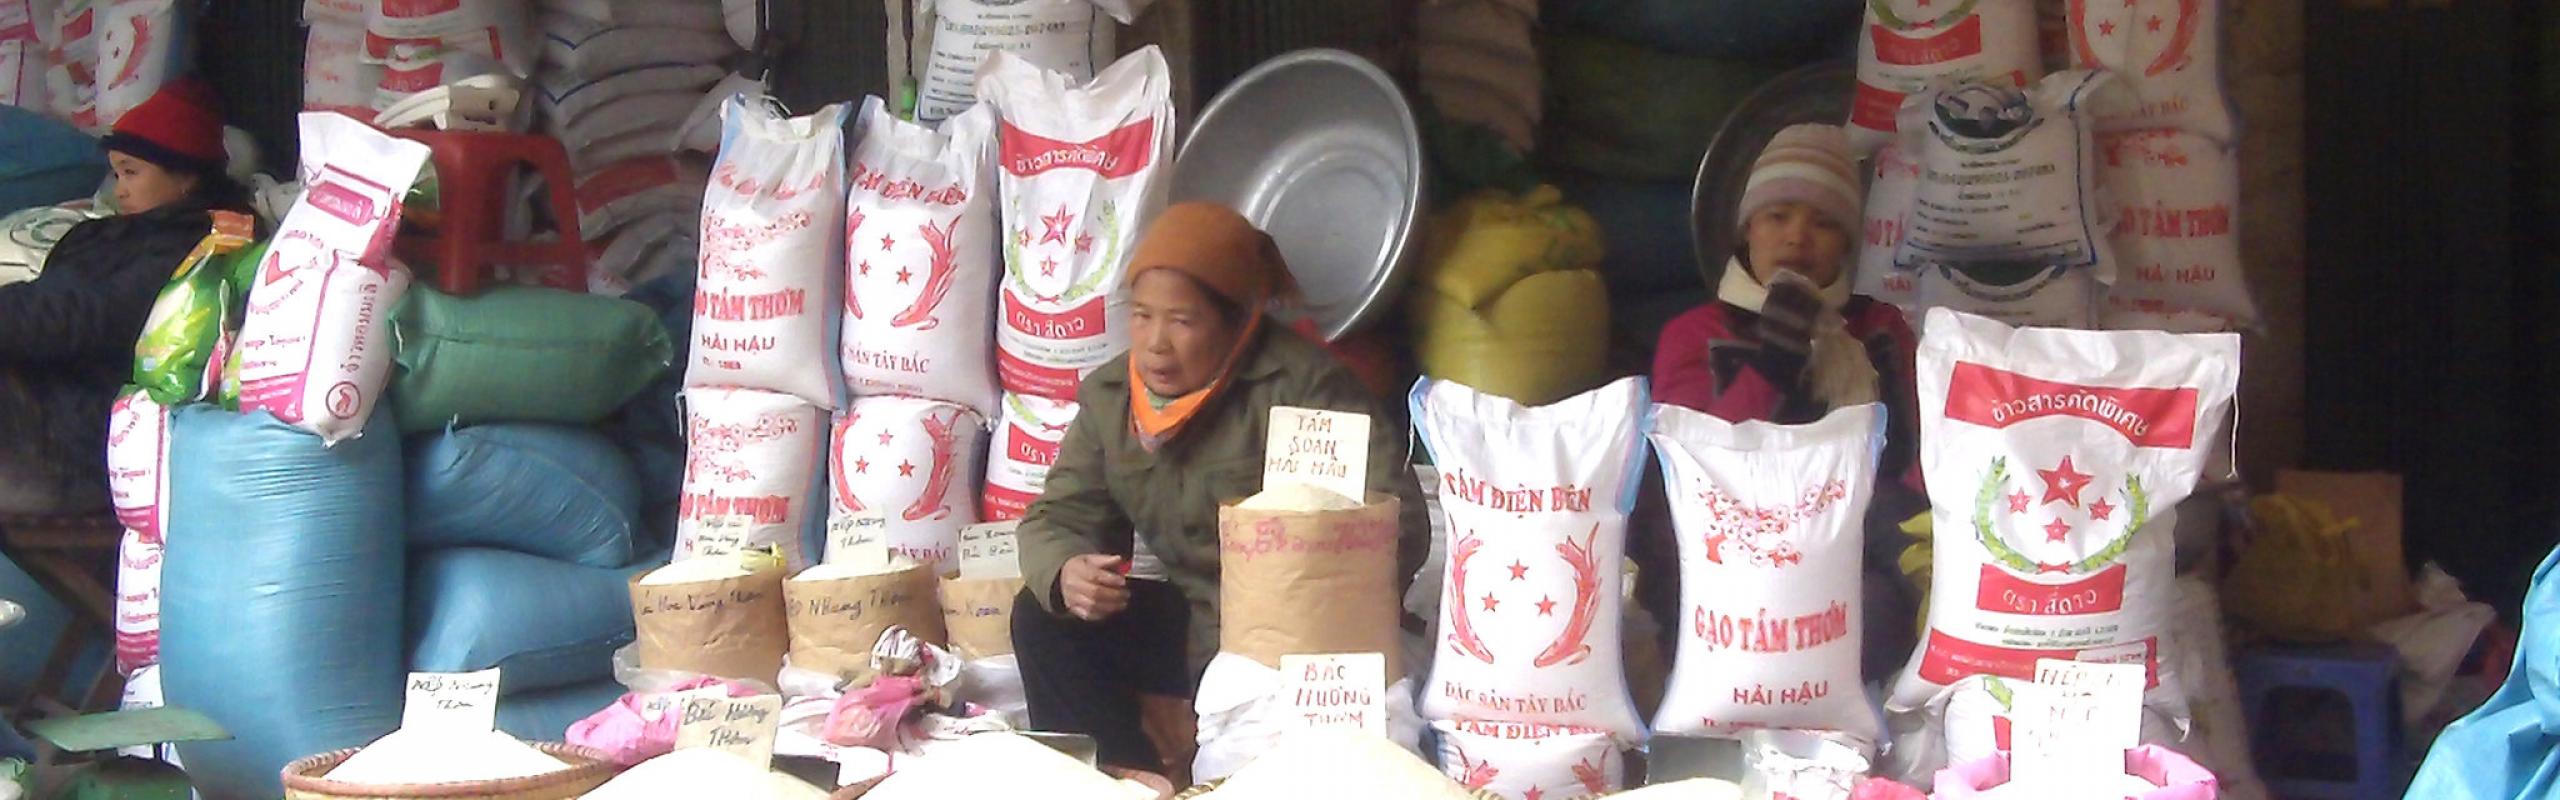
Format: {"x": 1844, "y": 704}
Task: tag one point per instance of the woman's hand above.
{"x": 1093, "y": 587}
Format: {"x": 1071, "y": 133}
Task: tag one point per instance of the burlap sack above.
{"x": 979, "y": 616}
{"x": 834, "y": 623}
{"x": 729, "y": 628}
{"x": 1309, "y": 582}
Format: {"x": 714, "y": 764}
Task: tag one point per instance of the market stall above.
{"x": 1662, "y": 405}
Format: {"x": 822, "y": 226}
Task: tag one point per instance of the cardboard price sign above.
{"x": 858, "y": 537}
{"x": 988, "y": 552}
{"x": 453, "y": 701}
{"x": 1340, "y": 691}
{"x": 740, "y": 726}
{"x": 2076, "y": 720}
{"x": 1328, "y": 450}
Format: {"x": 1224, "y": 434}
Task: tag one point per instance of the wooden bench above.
{"x": 66, "y": 555}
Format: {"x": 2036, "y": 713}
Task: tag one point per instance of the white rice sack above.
{"x": 2007, "y": 176}
{"x": 1071, "y": 37}
{"x": 703, "y": 772}
{"x": 409, "y": 69}
{"x": 1892, "y": 182}
{"x": 1909, "y": 46}
{"x": 763, "y": 305}
{"x": 414, "y": 756}
{"x": 701, "y": 130}
{"x": 641, "y": 189}
{"x": 739, "y": 16}
{"x": 334, "y": 10}
{"x": 1770, "y": 520}
{"x": 137, "y": 625}
{"x": 1242, "y": 715}
{"x": 592, "y": 50}
{"x": 2167, "y": 52}
{"x": 138, "y": 463}
{"x": 335, "y": 76}
{"x": 22, "y": 68}
{"x": 912, "y": 462}
{"x": 141, "y": 45}
{"x": 2050, "y": 451}
{"x": 499, "y": 29}
{"x": 921, "y": 262}
{"x": 141, "y": 692}
{"x": 1529, "y": 761}
{"x": 570, "y": 96}
{"x": 692, "y": 15}
{"x": 315, "y": 343}
{"x": 1082, "y": 171}
{"x": 2177, "y": 232}
{"x": 2048, "y": 297}
{"x": 1339, "y": 764}
{"x": 752, "y": 472}
{"x": 635, "y": 115}
{"x": 1537, "y": 500}
{"x": 1025, "y": 445}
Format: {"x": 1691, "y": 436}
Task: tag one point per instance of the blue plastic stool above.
{"x": 2363, "y": 674}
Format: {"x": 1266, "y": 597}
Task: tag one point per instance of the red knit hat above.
{"x": 176, "y": 128}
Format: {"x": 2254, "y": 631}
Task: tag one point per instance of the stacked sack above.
{"x": 335, "y": 75}
{"x": 918, "y": 339}
{"x": 1069, "y": 221}
{"x": 1528, "y": 690}
{"x": 1480, "y": 65}
{"x": 1510, "y": 301}
{"x": 1075, "y": 38}
{"x": 97, "y": 58}
{"x": 424, "y": 50}
{"x": 758, "y": 384}
{"x": 633, "y": 91}
{"x": 281, "y": 520}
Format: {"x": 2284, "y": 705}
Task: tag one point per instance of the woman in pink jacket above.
{"x": 1784, "y": 341}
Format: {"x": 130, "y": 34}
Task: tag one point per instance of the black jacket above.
{"x": 67, "y": 337}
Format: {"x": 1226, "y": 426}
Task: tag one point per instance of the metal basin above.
{"x": 1815, "y": 93}
{"x": 1319, "y": 148}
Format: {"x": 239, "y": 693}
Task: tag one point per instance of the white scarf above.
{"x": 1839, "y": 373}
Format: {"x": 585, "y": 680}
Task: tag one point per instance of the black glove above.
{"x": 1786, "y": 318}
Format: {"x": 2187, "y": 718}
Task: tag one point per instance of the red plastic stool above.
{"x": 472, "y": 169}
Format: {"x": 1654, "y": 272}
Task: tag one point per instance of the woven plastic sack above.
{"x": 547, "y": 623}
{"x": 913, "y": 463}
{"x": 519, "y": 354}
{"x": 754, "y": 476}
{"x": 2009, "y": 176}
{"x": 141, "y": 45}
{"x": 1024, "y": 446}
{"x": 1510, "y": 302}
{"x": 2176, "y": 236}
{"x": 2286, "y": 583}
{"x": 281, "y": 602}
{"x": 1528, "y": 761}
{"x": 1624, "y": 111}
{"x": 138, "y": 463}
{"x": 922, "y": 259}
{"x": 771, "y": 248}
{"x": 1910, "y": 46}
{"x": 552, "y": 491}
{"x": 1070, "y": 37}
{"x": 2167, "y": 52}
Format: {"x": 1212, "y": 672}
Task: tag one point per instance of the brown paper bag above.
{"x": 979, "y": 615}
{"x": 2373, "y": 500}
{"x": 1296, "y": 582}
{"x": 835, "y": 623}
{"x": 729, "y": 628}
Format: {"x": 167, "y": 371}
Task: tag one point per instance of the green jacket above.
{"x": 1105, "y": 486}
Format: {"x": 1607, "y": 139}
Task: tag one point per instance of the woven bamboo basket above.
{"x": 587, "y": 770}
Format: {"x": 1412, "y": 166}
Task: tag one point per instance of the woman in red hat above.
{"x": 67, "y": 337}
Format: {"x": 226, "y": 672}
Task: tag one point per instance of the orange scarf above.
{"x": 1155, "y": 426}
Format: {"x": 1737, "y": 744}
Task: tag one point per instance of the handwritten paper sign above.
{"x": 2075, "y": 721}
{"x": 1328, "y": 450}
{"x": 857, "y": 537}
{"x": 719, "y": 534}
{"x": 740, "y": 726}
{"x": 451, "y": 701}
{"x": 1339, "y": 691}
{"x": 987, "y": 552}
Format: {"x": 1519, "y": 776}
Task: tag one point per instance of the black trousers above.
{"x": 1085, "y": 677}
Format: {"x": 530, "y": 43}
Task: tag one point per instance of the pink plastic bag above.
{"x": 628, "y": 733}
{"x": 869, "y": 716}
{"x": 2178, "y": 777}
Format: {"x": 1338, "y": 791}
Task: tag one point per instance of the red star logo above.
{"x": 1534, "y": 793}
{"x": 888, "y": 242}
{"x": 1048, "y": 267}
{"x": 1084, "y": 243}
{"x": 1519, "y": 571}
{"x": 2100, "y": 509}
{"x": 866, "y": 268}
{"x": 861, "y": 466}
{"x": 1546, "y": 607}
{"x": 2056, "y": 531}
{"x": 1022, "y": 238}
{"x": 2018, "y": 502}
{"x": 2063, "y": 484}
{"x": 2107, "y": 28}
{"x": 906, "y": 469}
{"x": 1054, "y": 226}
{"x": 884, "y": 438}
{"x": 1490, "y": 602}
{"x": 903, "y": 275}
{"x": 2155, "y": 23}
